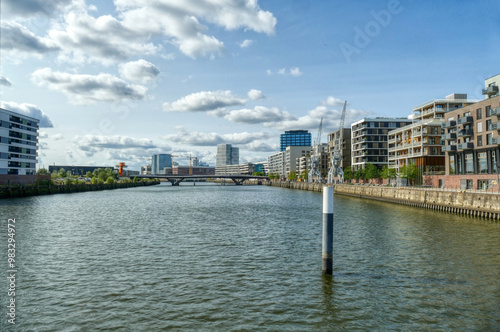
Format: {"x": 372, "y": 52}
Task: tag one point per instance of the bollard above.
{"x": 327, "y": 230}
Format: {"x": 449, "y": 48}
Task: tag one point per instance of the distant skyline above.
{"x": 122, "y": 80}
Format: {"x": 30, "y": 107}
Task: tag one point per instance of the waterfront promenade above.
{"x": 479, "y": 204}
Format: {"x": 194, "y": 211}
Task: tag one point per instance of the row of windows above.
{"x": 479, "y": 112}
{"x": 7, "y": 140}
{"x": 4, "y": 155}
{"x": 22, "y": 121}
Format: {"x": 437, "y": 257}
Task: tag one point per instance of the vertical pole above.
{"x": 327, "y": 230}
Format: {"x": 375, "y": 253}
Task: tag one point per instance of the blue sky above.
{"x": 121, "y": 80}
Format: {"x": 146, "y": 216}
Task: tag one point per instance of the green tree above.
{"x": 409, "y": 171}
{"x": 348, "y": 173}
{"x": 88, "y": 175}
{"x": 68, "y": 181}
{"x": 110, "y": 179}
{"x": 388, "y": 173}
{"x": 42, "y": 171}
{"x": 304, "y": 175}
{"x": 258, "y": 174}
{"x": 360, "y": 174}
{"x": 371, "y": 172}
{"x": 292, "y": 175}
{"x": 62, "y": 173}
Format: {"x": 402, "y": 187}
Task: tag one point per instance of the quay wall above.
{"x": 22, "y": 190}
{"x": 485, "y": 205}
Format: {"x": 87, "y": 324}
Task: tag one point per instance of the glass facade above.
{"x": 295, "y": 138}
{"x": 159, "y": 162}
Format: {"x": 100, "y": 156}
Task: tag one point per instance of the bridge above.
{"x": 175, "y": 180}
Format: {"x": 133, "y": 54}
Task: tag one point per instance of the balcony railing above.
{"x": 495, "y": 111}
{"x": 465, "y": 146}
{"x": 491, "y": 90}
{"x": 465, "y": 120}
{"x": 450, "y": 148}
{"x": 495, "y": 126}
{"x": 465, "y": 133}
{"x": 495, "y": 141}
{"x": 450, "y": 136}
{"x": 450, "y": 124}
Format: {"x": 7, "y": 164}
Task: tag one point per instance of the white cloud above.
{"x": 204, "y": 101}
{"x": 255, "y": 94}
{"x": 85, "y": 89}
{"x": 269, "y": 72}
{"x": 212, "y": 139}
{"x": 140, "y": 71}
{"x": 18, "y": 40}
{"x": 246, "y": 43}
{"x": 295, "y": 71}
{"x": 282, "y": 71}
{"x": 4, "y": 81}
{"x": 258, "y": 114}
{"x": 30, "y": 110}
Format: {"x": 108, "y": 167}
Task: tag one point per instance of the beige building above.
{"x": 421, "y": 141}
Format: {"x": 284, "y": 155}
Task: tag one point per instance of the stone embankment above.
{"x": 36, "y": 189}
{"x": 486, "y": 205}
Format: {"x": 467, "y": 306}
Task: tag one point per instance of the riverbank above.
{"x": 50, "y": 189}
{"x": 485, "y": 205}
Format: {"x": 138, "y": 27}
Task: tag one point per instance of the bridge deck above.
{"x": 176, "y": 179}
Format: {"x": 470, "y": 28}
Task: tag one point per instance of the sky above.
{"x": 118, "y": 81}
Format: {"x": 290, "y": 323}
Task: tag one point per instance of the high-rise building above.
{"x": 18, "y": 143}
{"x": 159, "y": 162}
{"x": 369, "y": 141}
{"x": 295, "y": 138}
{"x": 227, "y": 155}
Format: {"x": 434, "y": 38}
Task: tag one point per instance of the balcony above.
{"x": 465, "y": 146}
{"x": 465, "y": 120}
{"x": 495, "y": 141}
{"x": 491, "y": 90}
{"x": 449, "y": 148}
{"x": 495, "y": 126}
{"x": 495, "y": 111}
{"x": 450, "y": 124}
{"x": 465, "y": 133}
{"x": 450, "y": 136}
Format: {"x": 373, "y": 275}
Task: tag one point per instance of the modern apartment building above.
{"x": 18, "y": 143}
{"x": 345, "y": 148}
{"x": 292, "y": 153}
{"x": 276, "y": 163}
{"x": 421, "y": 141}
{"x": 369, "y": 140}
{"x": 227, "y": 155}
{"x": 473, "y": 145}
{"x": 159, "y": 162}
{"x": 295, "y": 138}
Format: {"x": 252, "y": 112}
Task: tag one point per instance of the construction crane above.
{"x": 336, "y": 168}
{"x": 190, "y": 161}
{"x": 315, "y": 156}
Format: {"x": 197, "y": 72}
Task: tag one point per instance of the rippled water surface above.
{"x": 211, "y": 257}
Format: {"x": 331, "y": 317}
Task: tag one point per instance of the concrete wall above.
{"x": 485, "y": 205}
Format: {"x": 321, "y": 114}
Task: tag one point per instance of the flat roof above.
{"x": 19, "y": 114}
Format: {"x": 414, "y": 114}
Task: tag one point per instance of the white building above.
{"x": 18, "y": 143}
{"x": 227, "y": 155}
{"x": 276, "y": 163}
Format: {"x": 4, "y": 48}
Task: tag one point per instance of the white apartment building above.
{"x": 18, "y": 143}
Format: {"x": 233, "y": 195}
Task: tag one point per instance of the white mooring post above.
{"x": 328, "y": 230}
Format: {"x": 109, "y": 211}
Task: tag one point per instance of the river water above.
{"x": 244, "y": 258}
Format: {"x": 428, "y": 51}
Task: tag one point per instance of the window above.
{"x": 488, "y": 111}
{"x": 480, "y": 141}
{"x": 479, "y": 114}
{"x": 488, "y": 125}
{"x": 466, "y": 114}
{"x": 479, "y": 127}
{"x": 469, "y": 163}
{"x": 493, "y": 162}
{"x": 482, "y": 163}
{"x": 489, "y": 139}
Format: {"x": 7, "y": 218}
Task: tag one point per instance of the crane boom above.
{"x": 336, "y": 168}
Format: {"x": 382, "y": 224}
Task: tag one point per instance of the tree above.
{"x": 292, "y": 175}
{"x": 360, "y": 174}
{"x": 388, "y": 173}
{"x": 42, "y": 171}
{"x": 348, "y": 173}
{"x": 304, "y": 175}
{"x": 371, "y": 172}
{"x": 409, "y": 171}
{"x": 258, "y": 174}
{"x": 88, "y": 175}
{"x": 62, "y": 173}
{"x": 110, "y": 179}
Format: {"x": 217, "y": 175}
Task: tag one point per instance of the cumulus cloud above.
{"x": 246, "y": 43}
{"x": 295, "y": 71}
{"x": 255, "y": 94}
{"x": 4, "y": 81}
{"x": 204, "y": 101}
{"x": 330, "y": 110}
{"x": 140, "y": 71}
{"x": 84, "y": 89}
{"x": 30, "y": 110}
{"x": 92, "y": 144}
{"x": 19, "y": 40}
{"x": 258, "y": 114}
{"x": 212, "y": 139}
